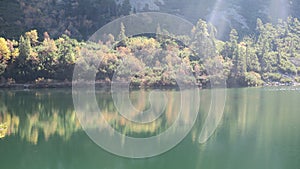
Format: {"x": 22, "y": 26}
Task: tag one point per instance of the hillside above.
{"x": 225, "y": 14}
{"x": 81, "y": 18}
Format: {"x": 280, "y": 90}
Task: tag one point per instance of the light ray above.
{"x": 218, "y": 18}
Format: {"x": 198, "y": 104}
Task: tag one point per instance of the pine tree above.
{"x": 122, "y": 34}
{"x": 25, "y": 50}
{"x": 25, "y": 67}
{"x": 202, "y": 42}
{"x": 237, "y": 53}
{"x": 158, "y": 33}
{"x": 241, "y": 61}
{"x": 251, "y": 57}
{"x": 234, "y": 50}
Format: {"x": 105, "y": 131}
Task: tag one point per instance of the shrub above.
{"x": 272, "y": 77}
{"x": 253, "y": 79}
{"x": 286, "y": 80}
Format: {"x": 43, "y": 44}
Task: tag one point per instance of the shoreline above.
{"x": 107, "y": 85}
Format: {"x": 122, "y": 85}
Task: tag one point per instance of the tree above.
{"x": 25, "y": 49}
{"x": 4, "y": 50}
{"x": 122, "y": 34}
{"x": 67, "y": 50}
{"x": 241, "y": 60}
{"x": 158, "y": 33}
{"x": 4, "y": 55}
{"x": 251, "y": 57}
{"x": 25, "y": 67}
{"x": 230, "y": 49}
{"x": 266, "y": 48}
{"x": 47, "y": 54}
{"x": 32, "y": 36}
{"x": 253, "y": 79}
{"x": 237, "y": 52}
{"x": 203, "y": 42}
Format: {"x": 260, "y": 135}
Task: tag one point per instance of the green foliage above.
{"x": 24, "y": 68}
{"x": 286, "y": 80}
{"x": 203, "y": 40}
{"x": 48, "y": 57}
{"x": 273, "y": 77}
{"x": 252, "y": 60}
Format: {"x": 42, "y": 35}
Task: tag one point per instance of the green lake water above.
{"x": 260, "y": 129}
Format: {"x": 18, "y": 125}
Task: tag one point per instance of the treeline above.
{"x": 271, "y": 55}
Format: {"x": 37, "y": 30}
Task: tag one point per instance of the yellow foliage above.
{"x": 33, "y": 36}
{"x": 15, "y": 53}
{"x": 4, "y": 50}
{"x": 50, "y": 45}
{"x": 3, "y": 130}
{"x": 142, "y": 42}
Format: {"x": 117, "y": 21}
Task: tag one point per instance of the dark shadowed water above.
{"x": 260, "y": 129}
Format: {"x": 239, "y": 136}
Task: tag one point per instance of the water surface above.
{"x": 260, "y": 129}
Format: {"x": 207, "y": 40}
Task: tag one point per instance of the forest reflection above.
{"x": 40, "y": 114}
{"x": 31, "y": 115}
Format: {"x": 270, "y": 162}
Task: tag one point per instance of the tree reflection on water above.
{"x": 40, "y": 114}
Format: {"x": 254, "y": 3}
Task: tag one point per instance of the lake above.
{"x": 259, "y": 129}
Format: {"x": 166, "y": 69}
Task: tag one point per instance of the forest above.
{"x": 270, "y": 56}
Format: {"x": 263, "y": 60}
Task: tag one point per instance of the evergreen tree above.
{"x": 251, "y": 57}
{"x": 122, "y": 34}
{"x": 158, "y": 33}
{"x": 25, "y": 50}
{"x": 67, "y": 50}
{"x": 202, "y": 41}
{"x": 26, "y": 65}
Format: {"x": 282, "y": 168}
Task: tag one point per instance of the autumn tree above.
{"x": 4, "y": 55}
{"x": 32, "y": 36}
